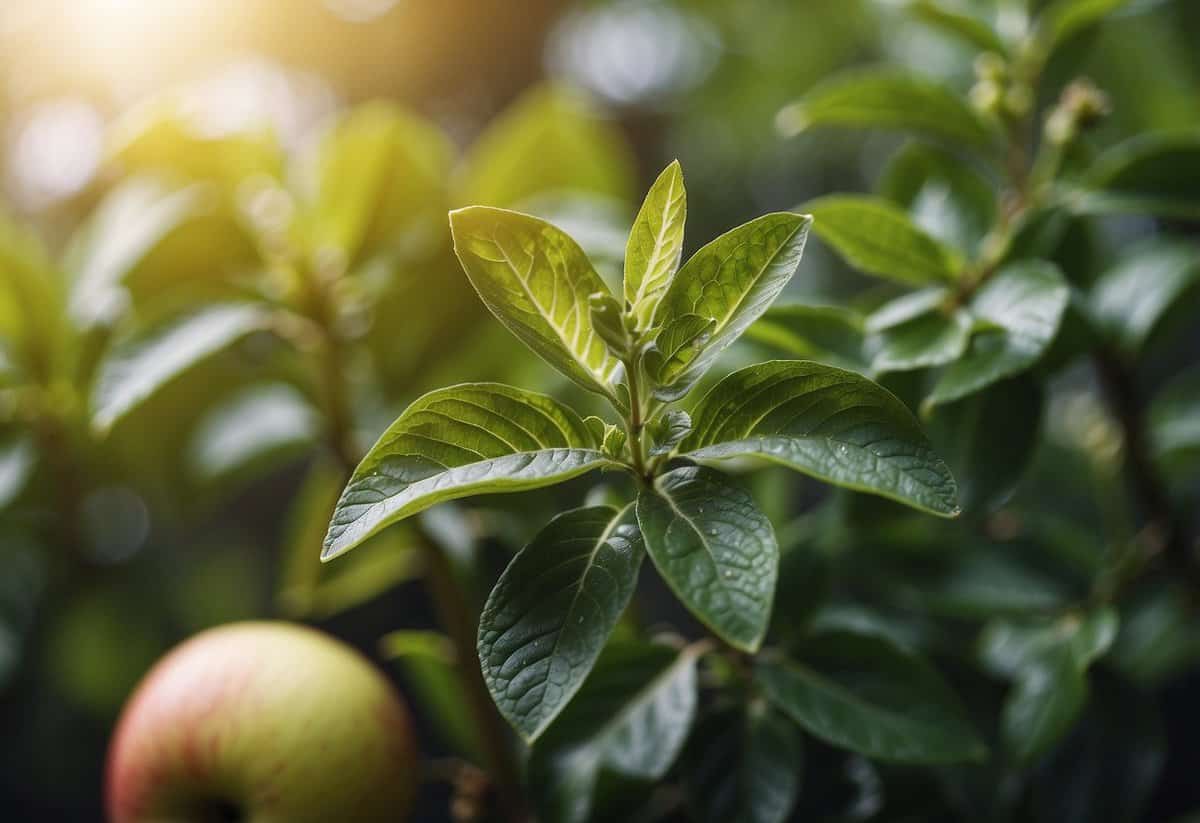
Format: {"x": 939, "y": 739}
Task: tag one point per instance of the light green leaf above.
{"x": 17, "y": 460}
{"x": 1129, "y": 299}
{"x": 879, "y": 238}
{"x": 668, "y": 431}
{"x": 136, "y": 369}
{"x": 381, "y": 186}
{"x": 553, "y": 609}
{"x": 933, "y": 339}
{"x": 550, "y": 140}
{"x": 961, "y": 24}
{"x": 889, "y": 99}
{"x": 655, "y": 244}
{"x": 864, "y": 694}
{"x": 429, "y": 665}
{"x": 744, "y": 766}
{"x": 719, "y": 292}
{"x": 1024, "y": 303}
{"x": 631, "y": 719}
{"x": 1066, "y": 18}
{"x": 536, "y": 281}
{"x": 1155, "y": 173}
{"x": 476, "y": 438}
{"x": 715, "y": 549}
{"x": 35, "y": 337}
{"x": 832, "y": 424}
{"x": 827, "y": 334}
{"x": 259, "y": 425}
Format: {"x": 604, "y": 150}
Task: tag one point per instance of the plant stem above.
{"x": 636, "y": 424}
{"x": 454, "y": 612}
{"x": 1163, "y": 532}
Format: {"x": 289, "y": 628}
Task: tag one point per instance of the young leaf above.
{"x": 1066, "y": 18}
{"x": 715, "y": 550}
{"x": 476, "y": 438}
{"x": 1129, "y": 299}
{"x": 832, "y": 424}
{"x": 827, "y": 334}
{"x": 1025, "y": 303}
{"x": 669, "y": 430}
{"x": 933, "y": 339}
{"x": 630, "y": 718}
{"x": 889, "y": 99}
{"x": 944, "y": 194}
{"x": 537, "y": 282}
{"x": 878, "y": 238}
{"x": 961, "y": 24}
{"x": 1157, "y": 174}
{"x": 864, "y": 694}
{"x": 1049, "y": 662}
{"x": 138, "y": 368}
{"x": 744, "y": 766}
{"x": 655, "y": 244}
{"x": 720, "y": 291}
{"x": 553, "y": 609}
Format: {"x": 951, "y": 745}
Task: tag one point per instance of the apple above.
{"x": 263, "y": 722}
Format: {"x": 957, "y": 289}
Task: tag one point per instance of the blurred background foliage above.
{"x": 242, "y": 204}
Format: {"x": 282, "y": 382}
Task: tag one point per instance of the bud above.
{"x": 990, "y": 66}
{"x": 609, "y": 322}
{"x": 987, "y": 97}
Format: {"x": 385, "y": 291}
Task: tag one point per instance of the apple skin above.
{"x": 262, "y": 722}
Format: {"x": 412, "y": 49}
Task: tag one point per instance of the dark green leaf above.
{"x": 945, "y": 196}
{"x": 471, "y": 439}
{"x": 988, "y": 439}
{"x": 553, "y": 609}
{"x": 536, "y": 281}
{"x": 878, "y": 238}
{"x": 1159, "y": 636}
{"x": 1175, "y": 426}
{"x": 715, "y": 549}
{"x": 1024, "y": 303}
{"x": 136, "y": 369}
{"x": 719, "y": 292}
{"x": 865, "y": 694}
{"x": 1130, "y": 298}
{"x": 1156, "y": 174}
{"x": 827, "y": 334}
{"x": 889, "y": 99}
{"x": 832, "y": 424}
{"x": 743, "y": 766}
{"x": 630, "y": 718}
{"x": 933, "y": 339}
{"x": 655, "y": 244}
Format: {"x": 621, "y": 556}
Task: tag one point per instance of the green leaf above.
{"x": 536, "y": 281}
{"x": 988, "y": 439}
{"x": 888, "y": 99}
{"x": 864, "y": 694}
{"x": 254, "y": 429}
{"x": 1129, "y": 299}
{"x": 1159, "y": 637}
{"x": 668, "y": 431}
{"x": 476, "y": 438}
{"x": 1024, "y": 304}
{"x": 551, "y": 140}
{"x": 18, "y": 457}
{"x": 715, "y": 549}
{"x": 1066, "y": 18}
{"x": 1174, "y": 424}
{"x": 631, "y": 718}
{"x": 35, "y": 337}
{"x": 743, "y": 766}
{"x": 1156, "y": 173}
{"x": 826, "y": 422}
{"x": 381, "y": 185}
{"x": 655, "y": 244}
{"x": 960, "y": 24}
{"x": 945, "y": 195}
{"x": 827, "y": 334}
{"x": 719, "y": 292}
{"x": 134, "y": 370}
{"x": 1048, "y": 661}
{"x": 553, "y": 609}
{"x": 878, "y": 238}
{"x": 933, "y": 339}
{"x": 428, "y": 665}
